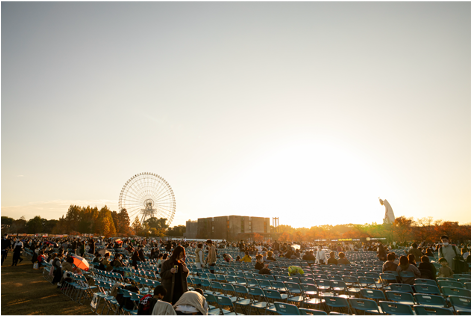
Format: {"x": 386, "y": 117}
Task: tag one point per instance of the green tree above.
{"x": 19, "y": 225}
{"x": 34, "y": 225}
{"x": 7, "y": 220}
{"x": 157, "y": 223}
{"x": 177, "y": 230}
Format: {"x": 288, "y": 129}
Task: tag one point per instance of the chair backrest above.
{"x": 425, "y": 281}
{"x": 426, "y": 288}
{"x": 224, "y": 301}
{"x": 372, "y": 294}
{"x": 432, "y": 310}
{"x": 396, "y": 296}
{"x": 286, "y": 309}
{"x": 363, "y": 304}
{"x": 460, "y": 303}
{"x": 393, "y": 308}
{"x": 307, "y": 311}
{"x": 272, "y": 294}
{"x": 401, "y": 287}
{"x": 336, "y": 301}
{"x": 447, "y": 291}
{"x": 449, "y": 283}
{"x": 430, "y": 300}
{"x": 240, "y": 289}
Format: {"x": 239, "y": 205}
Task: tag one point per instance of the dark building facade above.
{"x": 191, "y": 229}
{"x": 232, "y": 227}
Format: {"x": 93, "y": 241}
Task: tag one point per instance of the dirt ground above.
{"x": 26, "y": 292}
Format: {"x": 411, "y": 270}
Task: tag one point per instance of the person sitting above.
{"x": 332, "y": 259}
{"x": 117, "y": 261}
{"x": 156, "y": 303}
{"x": 427, "y": 269}
{"x": 247, "y": 257}
{"x": 342, "y": 259}
{"x": 191, "y": 303}
{"x": 390, "y": 264}
{"x": 270, "y": 256}
{"x": 415, "y": 252}
{"x": 98, "y": 258}
{"x": 238, "y": 259}
{"x": 412, "y": 259}
{"x": 445, "y": 271}
{"x": 309, "y": 256}
{"x": 405, "y": 266}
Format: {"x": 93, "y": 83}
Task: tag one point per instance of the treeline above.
{"x": 403, "y": 229}
{"x": 91, "y": 220}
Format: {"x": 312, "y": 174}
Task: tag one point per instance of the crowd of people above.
{"x": 173, "y": 295}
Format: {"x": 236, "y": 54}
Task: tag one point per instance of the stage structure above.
{"x": 148, "y": 195}
{"x": 389, "y": 217}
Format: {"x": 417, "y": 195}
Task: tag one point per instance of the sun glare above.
{"x": 310, "y": 184}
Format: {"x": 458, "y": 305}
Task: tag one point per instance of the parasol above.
{"x": 80, "y": 262}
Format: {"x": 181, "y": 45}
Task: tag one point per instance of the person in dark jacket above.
{"x": 92, "y": 246}
{"x": 427, "y": 269}
{"x": 135, "y": 258}
{"x": 6, "y": 245}
{"x": 174, "y": 274}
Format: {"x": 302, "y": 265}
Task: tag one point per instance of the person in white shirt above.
{"x": 320, "y": 256}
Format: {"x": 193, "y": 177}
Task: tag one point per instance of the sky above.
{"x": 306, "y": 111}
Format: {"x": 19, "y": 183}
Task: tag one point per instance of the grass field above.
{"x": 26, "y": 292}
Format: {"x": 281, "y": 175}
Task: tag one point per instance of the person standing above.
{"x": 6, "y": 245}
{"x": 448, "y": 251}
{"x": 17, "y": 248}
{"x": 211, "y": 258}
{"x": 199, "y": 256}
{"x": 174, "y": 274}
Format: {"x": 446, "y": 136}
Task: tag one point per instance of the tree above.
{"x": 177, "y": 230}
{"x": 136, "y": 225}
{"x": 157, "y": 223}
{"x": 123, "y": 222}
{"x": 402, "y": 228}
{"x": 7, "y": 220}
{"x": 19, "y": 225}
{"x": 34, "y": 225}
{"x": 106, "y": 226}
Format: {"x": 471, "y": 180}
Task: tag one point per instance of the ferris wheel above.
{"x": 148, "y": 195}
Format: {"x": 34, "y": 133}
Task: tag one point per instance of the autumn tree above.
{"x": 176, "y": 230}
{"x": 402, "y": 228}
{"x": 35, "y": 225}
{"x": 136, "y": 225}
{"x": 105, "y": 224}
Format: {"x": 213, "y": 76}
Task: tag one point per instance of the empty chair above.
{"x": 460, "y": 304}
{"x": 337, "y": 302}
{"x": 372, "y": 294}
{"x": 426, "y": 289}
{"x": 401, "y": 287}
{"x": 392, "y": 308}
{"x": 429, "y": 300}
{"x": 448, "y": 291}
{"x": 425, "y": 281}
{"x": 400, "y": 297}
{"x": 365, "y": 305}
{"x": 307, "y": 311}
{"x": 432, "y": 310}
{"x": 224, "y": 301}
{"x": 286, "y": 309}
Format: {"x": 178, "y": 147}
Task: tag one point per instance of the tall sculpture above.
{"x": 389, "y": 218}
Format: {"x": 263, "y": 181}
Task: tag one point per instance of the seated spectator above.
{"x": 246, "y": 257}
{"x": 412, "y": 259}
{"x": 117, "y": 261}
{"x": 159, "y": 307}
{"x": 98, "y": 258}
{"x": 270, "y": 256}
{"x": 41, "y": 258}
{"x": 403, "y": 266}
{"x": 390, "y": 265}
{"x": 332, "y": 259}
{"x": 191, "y": 302}
{"x": 427, "y": 269}
{"x": 308, "y": 256}
{"x": 342, "y": 259}
{"x": 238, "y": 259}
{"x": 445, "y": 271}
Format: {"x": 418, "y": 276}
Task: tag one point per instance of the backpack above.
{"x": 458, "y": 261}
{"x": 146, "y": 305}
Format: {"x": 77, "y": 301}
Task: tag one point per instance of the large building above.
{"x": 191, "y": 229}
{"x": 231, "y": 227}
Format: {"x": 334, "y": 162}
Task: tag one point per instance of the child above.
{"x": 445, "y": 271}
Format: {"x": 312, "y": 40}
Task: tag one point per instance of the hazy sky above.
{"x": 306, "y": 111}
